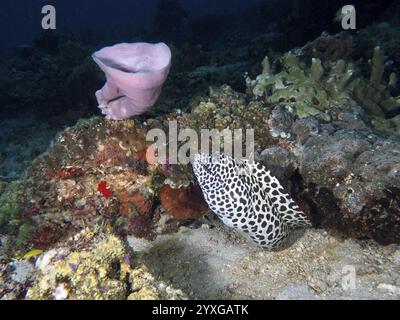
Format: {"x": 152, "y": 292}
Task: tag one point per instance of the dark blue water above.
{"x": 103, "y": 16}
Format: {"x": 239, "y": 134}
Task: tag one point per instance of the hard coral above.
{"x": 324, "y": 90}
{"x": 100, "y": 271}
{"x": 183, "y": 203}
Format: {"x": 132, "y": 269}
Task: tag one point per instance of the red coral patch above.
{"x": 104, "y": 189}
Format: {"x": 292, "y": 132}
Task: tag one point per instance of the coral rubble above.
{"x": 102, "y": 270}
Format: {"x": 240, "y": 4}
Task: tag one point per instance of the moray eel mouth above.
{"x": 246, "y": 197}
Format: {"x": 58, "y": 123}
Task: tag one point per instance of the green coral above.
{"x": 377, "y": 67}
{"x": 320, "y": 90}
{"x": 12, "y": 219}
{"x": 388, "y": 126}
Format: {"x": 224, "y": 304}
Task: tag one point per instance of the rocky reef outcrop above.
{"x": 326, "y": 125}
{"x": 313, "y": 88}
{"x": 346, "y": 171}
{"x": 102, "y": 269}
{"x": 309, "y": 128}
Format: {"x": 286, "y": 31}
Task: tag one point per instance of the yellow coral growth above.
{"x": 99, "y": 272}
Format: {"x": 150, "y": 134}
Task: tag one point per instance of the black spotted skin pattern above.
{"x": 246, "y": 197}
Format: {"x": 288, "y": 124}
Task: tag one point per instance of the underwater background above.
{"x": 84, "y": 213}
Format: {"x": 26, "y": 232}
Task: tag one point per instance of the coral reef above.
{"x": 183, "y": 203}
{"x": 344, "y": 172}
{"x": 326, "y": 124}
{"x": 101, "y": 270}
{"x": 347, "y": 165}
{"x": 225, "y": 108}
{"x": 97, "y": 171}
{"x": 324, "y": 90}
{"x": 330, "y": 47}
{"x": 136, "y": 201}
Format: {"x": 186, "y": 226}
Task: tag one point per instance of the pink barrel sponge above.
{"x": 135, "y": 74}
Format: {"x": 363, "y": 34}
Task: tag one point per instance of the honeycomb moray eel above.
{"x": 246, "y": 197}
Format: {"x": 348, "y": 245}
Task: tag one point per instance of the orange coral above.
{"x": 135, "y": 201}
{"x": 136, "y": 215}
{"x": 183, "y": 203}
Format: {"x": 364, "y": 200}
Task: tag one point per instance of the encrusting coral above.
{"x": 96, "y": 171}
{"x": 101, "y": 270}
